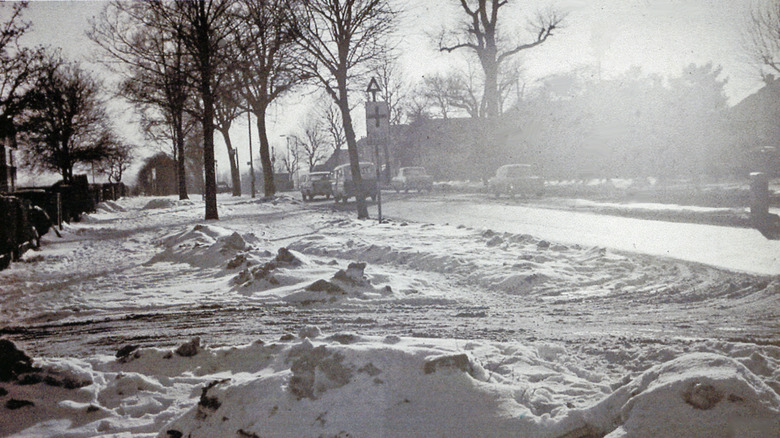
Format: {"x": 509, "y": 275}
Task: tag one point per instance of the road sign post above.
{"x": 377, "y": 130}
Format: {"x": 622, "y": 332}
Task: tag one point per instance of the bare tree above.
{"x": 313, "y": 145}
{"x": 118, "y": 161}
{"x": 335, "y": 127}
{"x": 763, "y": 36}
{"x": 66, "y": 123}
{"x": 290, "y": 159}
{"x": 203, "y": 27}
{"x": 510, "y": 82}
{"x": 453, "y": 93}
{"x": 342, "y": 39}
{"x": 18, "y": 65}
{"x": 394, "y": 91}
{"x": 438, "y": 89}
{"x": 154, "y": 72}
{"x": 418, "y": 108}
{"x": 481, "y": 35}
{"x": 267, "y": 66}
{"x": 226, "y": 109}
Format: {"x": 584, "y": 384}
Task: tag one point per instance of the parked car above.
{"x": 515, "y": 179}
{"x": 223, "y": 187}
{"x": 412, "y": 178}
{"x": 315, "y": 184}
{"x": 343, "y": 186}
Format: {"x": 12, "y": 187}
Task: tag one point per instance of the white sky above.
{"x": 661, "y": 36}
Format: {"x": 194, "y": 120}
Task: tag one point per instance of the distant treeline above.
{"x": 629, "y": 126}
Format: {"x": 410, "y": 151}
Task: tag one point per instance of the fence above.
{"x": 61, "y": 202}
{"x": 16, "y": 232}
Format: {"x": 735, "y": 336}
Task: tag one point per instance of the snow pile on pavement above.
{"x": 110, "y": 207}
{"x": 696, "y": 395}
{"x": 159, "y": 203}
{"x": 202, "y": 246}
{"x": 351, "y": 385}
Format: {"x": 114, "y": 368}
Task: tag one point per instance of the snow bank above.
{"x": 359, "y": 386}
{"x": 346, "y": 384}
{"x": 202, "y": 246}
{"x": 159, "y": 203}
{"x": 355, "y": 386}
{"x": 524, "y": 265}
{"x": 697, "y": 395}
{"x": 110, "y": 207}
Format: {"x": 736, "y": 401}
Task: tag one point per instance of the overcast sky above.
{"x": 660, "y": 36}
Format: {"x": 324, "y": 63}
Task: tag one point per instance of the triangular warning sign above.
{"x": 373, "y": 86}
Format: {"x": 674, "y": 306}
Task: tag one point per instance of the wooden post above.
{"x": 759, "y": 198}
{"x": 58, "y": 200}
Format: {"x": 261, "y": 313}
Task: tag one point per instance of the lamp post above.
{"x": 290, "y": 168}
{"x": 251, "y": 162}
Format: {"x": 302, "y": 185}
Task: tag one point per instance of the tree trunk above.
{"x": 492, "y": 109}
{"x": 206, "y": 93}
{"x": 234, "y": 175}
{"x": 181, "y": 168}
{"x": 354, "y": 158}
{"x": 208, "y": 156}
{"x": 269, "y": 188}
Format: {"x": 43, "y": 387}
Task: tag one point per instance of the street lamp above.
{"x": 292, "y": 169}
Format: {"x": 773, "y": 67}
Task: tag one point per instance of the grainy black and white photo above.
{"x": 390, "y": 218}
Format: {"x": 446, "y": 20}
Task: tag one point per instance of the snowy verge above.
{"x": 351, "y": 385}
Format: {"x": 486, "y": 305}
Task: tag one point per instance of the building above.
{"x": 754, "y": 125}
{"x": 157, "y": 177}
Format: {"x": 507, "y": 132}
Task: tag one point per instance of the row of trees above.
{"x": 208, "y": 61}
{"x": 200, "y": 64}
{"x": 193, "y": 67}
{"x": 55, "y": 108}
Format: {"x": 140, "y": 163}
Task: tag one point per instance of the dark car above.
{"x": 412, "y": 178}
{"x": 515, "y": 179}
{"x": 315, "y": 184}
{"x": 343, "y": 186}
{"x": 223, "y": 187}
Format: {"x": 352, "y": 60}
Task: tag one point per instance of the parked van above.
{"x": 343, "y": 187}
{"x": 315, "y": 184}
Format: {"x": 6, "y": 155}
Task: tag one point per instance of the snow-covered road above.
{"x": 738, "y": 249}
{"x": 291, "y": 319}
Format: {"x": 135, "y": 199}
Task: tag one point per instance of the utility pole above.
{"x": 251, "y": 161}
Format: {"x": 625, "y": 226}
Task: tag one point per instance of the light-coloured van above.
{"x": 344, "y": 188}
